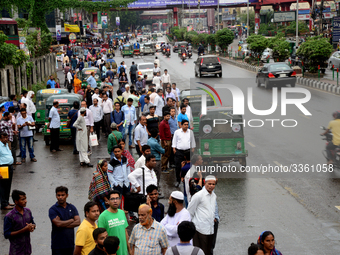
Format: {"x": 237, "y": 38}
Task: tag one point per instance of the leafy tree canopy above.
{"x": 224, "y": 38}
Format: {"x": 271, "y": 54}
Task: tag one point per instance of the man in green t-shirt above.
{"x": 115, "y": 222}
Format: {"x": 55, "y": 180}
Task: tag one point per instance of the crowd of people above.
{"x": 158, "y": 125}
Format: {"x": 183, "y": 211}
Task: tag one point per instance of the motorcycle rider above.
{"x": 334, "y": 126}
{"x": 200, "y": 49}
{"x": 183, "y": 50}
{"x": 189, "y": 47}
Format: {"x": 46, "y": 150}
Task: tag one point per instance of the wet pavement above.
{"x": 298, "y": 208}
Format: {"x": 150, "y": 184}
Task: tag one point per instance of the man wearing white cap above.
{"x": 176, "y": 214}
{"x": 202, "y": 211}
{"x": 127, "y": 92}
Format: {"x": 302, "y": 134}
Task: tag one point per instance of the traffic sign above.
{"x": 72, "y": 37}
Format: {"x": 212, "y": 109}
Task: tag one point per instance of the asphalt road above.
{"x": 298, "y": 208}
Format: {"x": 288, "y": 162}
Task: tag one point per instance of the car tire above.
{"x": 258, "y": 82}
{"x": 200, "y": 75}
{"x": 220, "y": 75}
{"x": 267, "y": 85}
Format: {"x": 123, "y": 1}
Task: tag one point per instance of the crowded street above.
{"x": 299, "y": 208}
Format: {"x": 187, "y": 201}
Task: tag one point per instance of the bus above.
{"x": 155, "y": 27}
{"x": 9, "y": 27}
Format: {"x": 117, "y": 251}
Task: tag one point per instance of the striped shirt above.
{"x": 149, "y": 241}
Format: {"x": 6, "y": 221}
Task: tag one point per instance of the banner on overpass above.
{"x": 164, "y": 3}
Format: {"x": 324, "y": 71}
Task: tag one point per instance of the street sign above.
{"x": 72, "y": 37}
{"x": 336, "y": 29}
{"x": 284, "y": 16}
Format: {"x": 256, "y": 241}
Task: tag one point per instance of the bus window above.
{"x": 9, "y": 29}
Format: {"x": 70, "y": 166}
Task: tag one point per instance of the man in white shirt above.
{"x": 127, "y": 92}
{"x": 98, "y": 114}
{"x": 153, "y": 96}
{"x": 156, "y": 69}
{"x": 107, "y": 110}
{"x": 141, "y": 135}
{"x": 146, "y": 150}
{"x": 195, "y": 160}
{"x": 157, "y": 62}
{"x": 97, "y": 96}
{"x": 89, "y": 123}
{"x": 176, "y": 91}
{"x": 30, "y": 107}
{"x": 159, "y": 103}
{"x": 136, "y": 177}
{"x": 176, "y": 214}
{"x": 202, "y": 211}
{"x": 54, "y": 126}
{"x": 157, "y": 80}
{"x": 182, "y": 141}
{"x": 165, "y": 79}
{"x": 69, "y": 79}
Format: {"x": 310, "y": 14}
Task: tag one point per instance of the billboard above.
{"x": 336, "y": 29}
{"x": 163, "y": 3}
{"x": 284, "y": 16}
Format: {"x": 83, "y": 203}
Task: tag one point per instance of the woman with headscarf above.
{"x": 127, "y": 154}
{"x": 123, "y": 80}
{"x": 100, "y": 186}
{"x": 267, "y": 241}
{"x": 76, "y": 84}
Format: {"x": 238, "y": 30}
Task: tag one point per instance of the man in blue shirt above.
{"x": 141, "y": 100}
{"x": 74, "y": 63}
{"x": 73, "y": 116}
{"x": 182, "y": 116}
{"x": 152, "y": 201}
{"x": 157, "y": 150}
{"x": 130, "y": 119}
{"x": 51, "y": 82}
{"x": 6, "y": 160}
{"x": 64, "y": 218}
{"x": 117, "y": 116}
{"x": 81, "y": 64}
{"x": 69, "y": 53}
{"x": 173, "y": 127}
{"x": 92, "y": 81}
{"x": 110, "y": 74}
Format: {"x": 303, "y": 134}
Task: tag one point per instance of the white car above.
{"x": 267, "y": 53}
{"x": 145, "y": 69}
{"x": 159, "y": 34}
{"x": 158, "y": 45}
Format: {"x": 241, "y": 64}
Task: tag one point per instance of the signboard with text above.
{"x": 336, "y": 29}
{"x": 284, "y": 16}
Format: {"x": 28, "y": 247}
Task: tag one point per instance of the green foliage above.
{"x": 9, "y": 53}
{"x": 315, "y": 51}
{"x": 291, "y": 28}
{"x": 188, "y": 36}
{"x": 267, "y": 29}
{"x": 211, "y": 39}
{"x": 257, "y": 44}
{"x": 202, "y": 38}
{"x": 243, "y": 19}
{"x": 281, "y": 50}
{"x": 127, "y": 19}
{"x": 39, "y": 49}
{"x": 29, "y": 69}
{"x": 38, "y": 86}
{"x": 39, "y": 8}
{"x": 23, "y": 23}
{"x": 224, "y": 38}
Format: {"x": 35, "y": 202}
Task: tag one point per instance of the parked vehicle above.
{"x": 65, "y": 104}
{"x": 276, "y": 74}
{"x": 208, "y": 64}
{"x": 334, "y": 60}
{"x": 268, "y": 53}
{"x": 145, "y": 68}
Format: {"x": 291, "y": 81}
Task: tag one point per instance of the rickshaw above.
{"x": 41, "y": 98}
{"x": 221, "y": 137}
{"x": 112, "y": 63}
{"x": 195, "y": 102}
{"x": 136, "y": 49}
{"x": 154, "y": 36}
{"x": 86, "y": 72}
{"x": 65, "y": 105}
{"x": 78, "y": 51}
{"x": 148, "y": 49}
{"x": 127, "y": 50}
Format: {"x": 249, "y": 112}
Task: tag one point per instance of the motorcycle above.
{"x": 189, "y": 54}
{"x": 183, "y": 56}
{"x": 201, "y": 54}
{"x": 336, "y": 153}
{"x": 163, "y": 51}
{"x": 168, "y": 53}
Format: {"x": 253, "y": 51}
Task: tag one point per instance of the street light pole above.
{"x": 247, "y": 18}
{"x": 218, "y": 15}
{"x": 297, "y": 25}
{"x": 199, "y": 15}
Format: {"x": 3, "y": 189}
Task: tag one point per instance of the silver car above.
{"x": 145, "y": 69}
{"x": 147, "y": 48}
{"x": 334, "y": 60}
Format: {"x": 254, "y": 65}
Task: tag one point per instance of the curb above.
{"x": 335, "y": 89}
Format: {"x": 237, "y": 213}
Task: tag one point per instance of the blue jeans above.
{"x": 129, "y": 129}
{"x": 29, "y": 141}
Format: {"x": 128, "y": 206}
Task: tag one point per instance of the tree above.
{"x": 257, "y": 44}
{"x": 211, "y": 39}
{"x": 9, "y": 54}
{"x": 37, "y": 48}
{"x": 38, "y": 9}
{"x": 243, "y": 19}
{"x": 127, "y": 18}
{"x": 315, "y": 52}
{"x": 224, "y": 38}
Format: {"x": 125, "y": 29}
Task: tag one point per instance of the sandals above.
{"x": 17, "y": 163}
{"x": 33, "y": 159}
{"x": 23, "y": 160}
{"x": 82, "y": 164}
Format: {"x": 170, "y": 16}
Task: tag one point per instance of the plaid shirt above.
{"x": 149, "y": 241}
{"x": 6, "y": 126}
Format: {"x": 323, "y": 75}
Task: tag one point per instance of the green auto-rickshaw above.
{"x": 127, "y": 50}
{"x": 41, "y": 97}
{"x": 65, "y": 105}
{"x": 195, "y": 102}
{"x": 221, "y": 137}
{"x": 86, "y": 72}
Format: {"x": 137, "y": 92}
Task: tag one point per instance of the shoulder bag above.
{"x": 68, "y": 123}
{"x": 134, "y": 200}
{"x": 176, "y": 252}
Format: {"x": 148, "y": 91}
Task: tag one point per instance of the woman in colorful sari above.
{"x": 267, "y": 241}
{"x": 127, "y": 154}
{"x": 100, "y": 186}
{"x": 76, "y": 84}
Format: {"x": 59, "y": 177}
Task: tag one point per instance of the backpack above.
{"x": 121, "y": 70}
{"x": 121, "y": 102}
{"x": 176, "y": 252}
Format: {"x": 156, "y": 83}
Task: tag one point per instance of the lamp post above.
{"x": 199, "y": 15}
{"x": 218, "y": 15}
{"x": 247, "y": 18}
{"x": 297, "y": 27}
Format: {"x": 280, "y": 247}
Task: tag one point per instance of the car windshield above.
{"x": 209, "y": 60}
{"x": 182, "y": 43}
{"x": 86, "y": 74}
{"x": 145, "y": 66}
{"x": 279, "y": 67}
